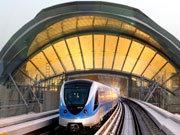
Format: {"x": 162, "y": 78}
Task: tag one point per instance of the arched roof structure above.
{"x": 91, "y": 36}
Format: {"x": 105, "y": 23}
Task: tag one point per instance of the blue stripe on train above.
{"x": 82, "y": 115}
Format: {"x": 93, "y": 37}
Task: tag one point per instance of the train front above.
{"x": 76, "y": 102}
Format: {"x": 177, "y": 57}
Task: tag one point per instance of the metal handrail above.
{"x": 25, "y": 118}
{"x": 108, "y": 124}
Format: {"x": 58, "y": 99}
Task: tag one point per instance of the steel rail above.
{"x": 136, "y": 123}
{"x": 147, "y": 124}
{"x": 105, "y": 129}
{"x": 120, "y": 122}
{"x": 114, "y": 123}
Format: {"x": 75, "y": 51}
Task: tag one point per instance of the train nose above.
{"x": 74, "y": 127}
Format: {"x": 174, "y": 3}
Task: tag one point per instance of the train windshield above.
{"x": 76, "y": 93}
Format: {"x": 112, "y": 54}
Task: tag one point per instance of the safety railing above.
{"x": 111, "y": 122}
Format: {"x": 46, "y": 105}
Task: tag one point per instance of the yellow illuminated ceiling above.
{"x": 82, "y": 23}
{"x": 70, "y": 45}
{"x": 94, "y": 51}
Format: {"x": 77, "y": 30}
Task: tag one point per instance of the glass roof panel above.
{"x": 31, "y": 71}
{"x": 141, "y": 34}
{"x": 110, "y": 45}
{"x": 52, "y": 57}
{"x": 154, "y": 66}
{"x": 112, "y": 23}
{"x": 122, "y": 49}
{"x": 42, "y": 64}
{"x": 100, "y": 21}
{"x": 133, "y": 54}
{"x": 73, "y": 45}
{"x": 143, "y": 61}
{"x": 168, "y": 71}
{"x": 153, "y": 42}
{"x": 98, "y": 50}
{"x": 20, "y": 78}
{"x": 86, "y": 45}
{"x": 64, "y": 55}
{"x": 55, "y": 30}
{"x": 42, "y": 38}
{"x": 173, "y": 83}
{"x": 34, "y": 46}
{"x": 128, "y": 28}
{"x": 84, "y": 22}
{"x": 79, "y": 50}
{"x": 69, "y": 25}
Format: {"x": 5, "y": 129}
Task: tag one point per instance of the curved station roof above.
{"x": 91, "y": 36}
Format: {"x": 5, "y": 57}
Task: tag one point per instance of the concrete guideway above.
{"x": 128, "y": 126}
{"x": 168, "y": 122}
{"x": 24, "y": 124}
{"x": 27, "y": 123}
{"x": 5, "y": 122}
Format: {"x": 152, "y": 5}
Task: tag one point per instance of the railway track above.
{"x": 137, "y": 127}
{"x": 121, "y": 122}
{"x": 142, "y": 122}
{"x": 58, "y": 130}
{"x": 126, "y": 113}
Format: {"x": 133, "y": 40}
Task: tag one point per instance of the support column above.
{"x": 18, "y": 90}
{"x": 129, "y": 89}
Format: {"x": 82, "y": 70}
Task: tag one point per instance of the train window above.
{"x": 103, "y": 96}
{"x": 96, "y": 103}
{"x": 76, "y": 93}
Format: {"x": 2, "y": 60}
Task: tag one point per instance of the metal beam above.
{"x": 159, "y": 70}
{"x": 93, "y": 51}
{"x": 77, "y": 23}
{"x": 93, "y": 42}
{"x": 25, "y": 74}
{"x": 34, "y": 95}
{"x": 170, "y": 78}
{"x": 149, "y": 89}
{"x": 106, "y": 22}
{"x": 49, "y": 62}
{"x": 45, "y": 54}
{"x": 93, "y": 21}
{"x": 32, "y": 92}
{"x": 134, "y": 31}
{"x": 48, "y": 35}
{"x": 37, "y": 69}
{"x": 176, "y": 89}
{"x": 62, "y": 27}
{"x": 18, "y": 90}
{"x": 149, "y": 63}
{"x": 59, "y": 58}
{"x": 81, "y": 52}
{"x": 70, "y": 55}
{"x": 111, "y": 72}
{"x": 121, "y": 27}
{"x": 115, "y": 53}
{"x": 52, "y": 44}
{"x": 104, "y": 47}
{"x": 152, "y": 92}
{"x": 138, "y": 59}
{"x": 97, "y": 31}
{"x": 126, "y": 55}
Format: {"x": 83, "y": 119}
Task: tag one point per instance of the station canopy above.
{"x": 91, "y": 36}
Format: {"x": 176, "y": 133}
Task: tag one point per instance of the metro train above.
{"x": 84, "y": 103}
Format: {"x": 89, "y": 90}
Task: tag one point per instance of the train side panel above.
{"x": 101, "y": 99}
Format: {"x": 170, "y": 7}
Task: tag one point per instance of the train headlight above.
{"x": 85, "y": 111}
{"x": 65, "y": 111}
